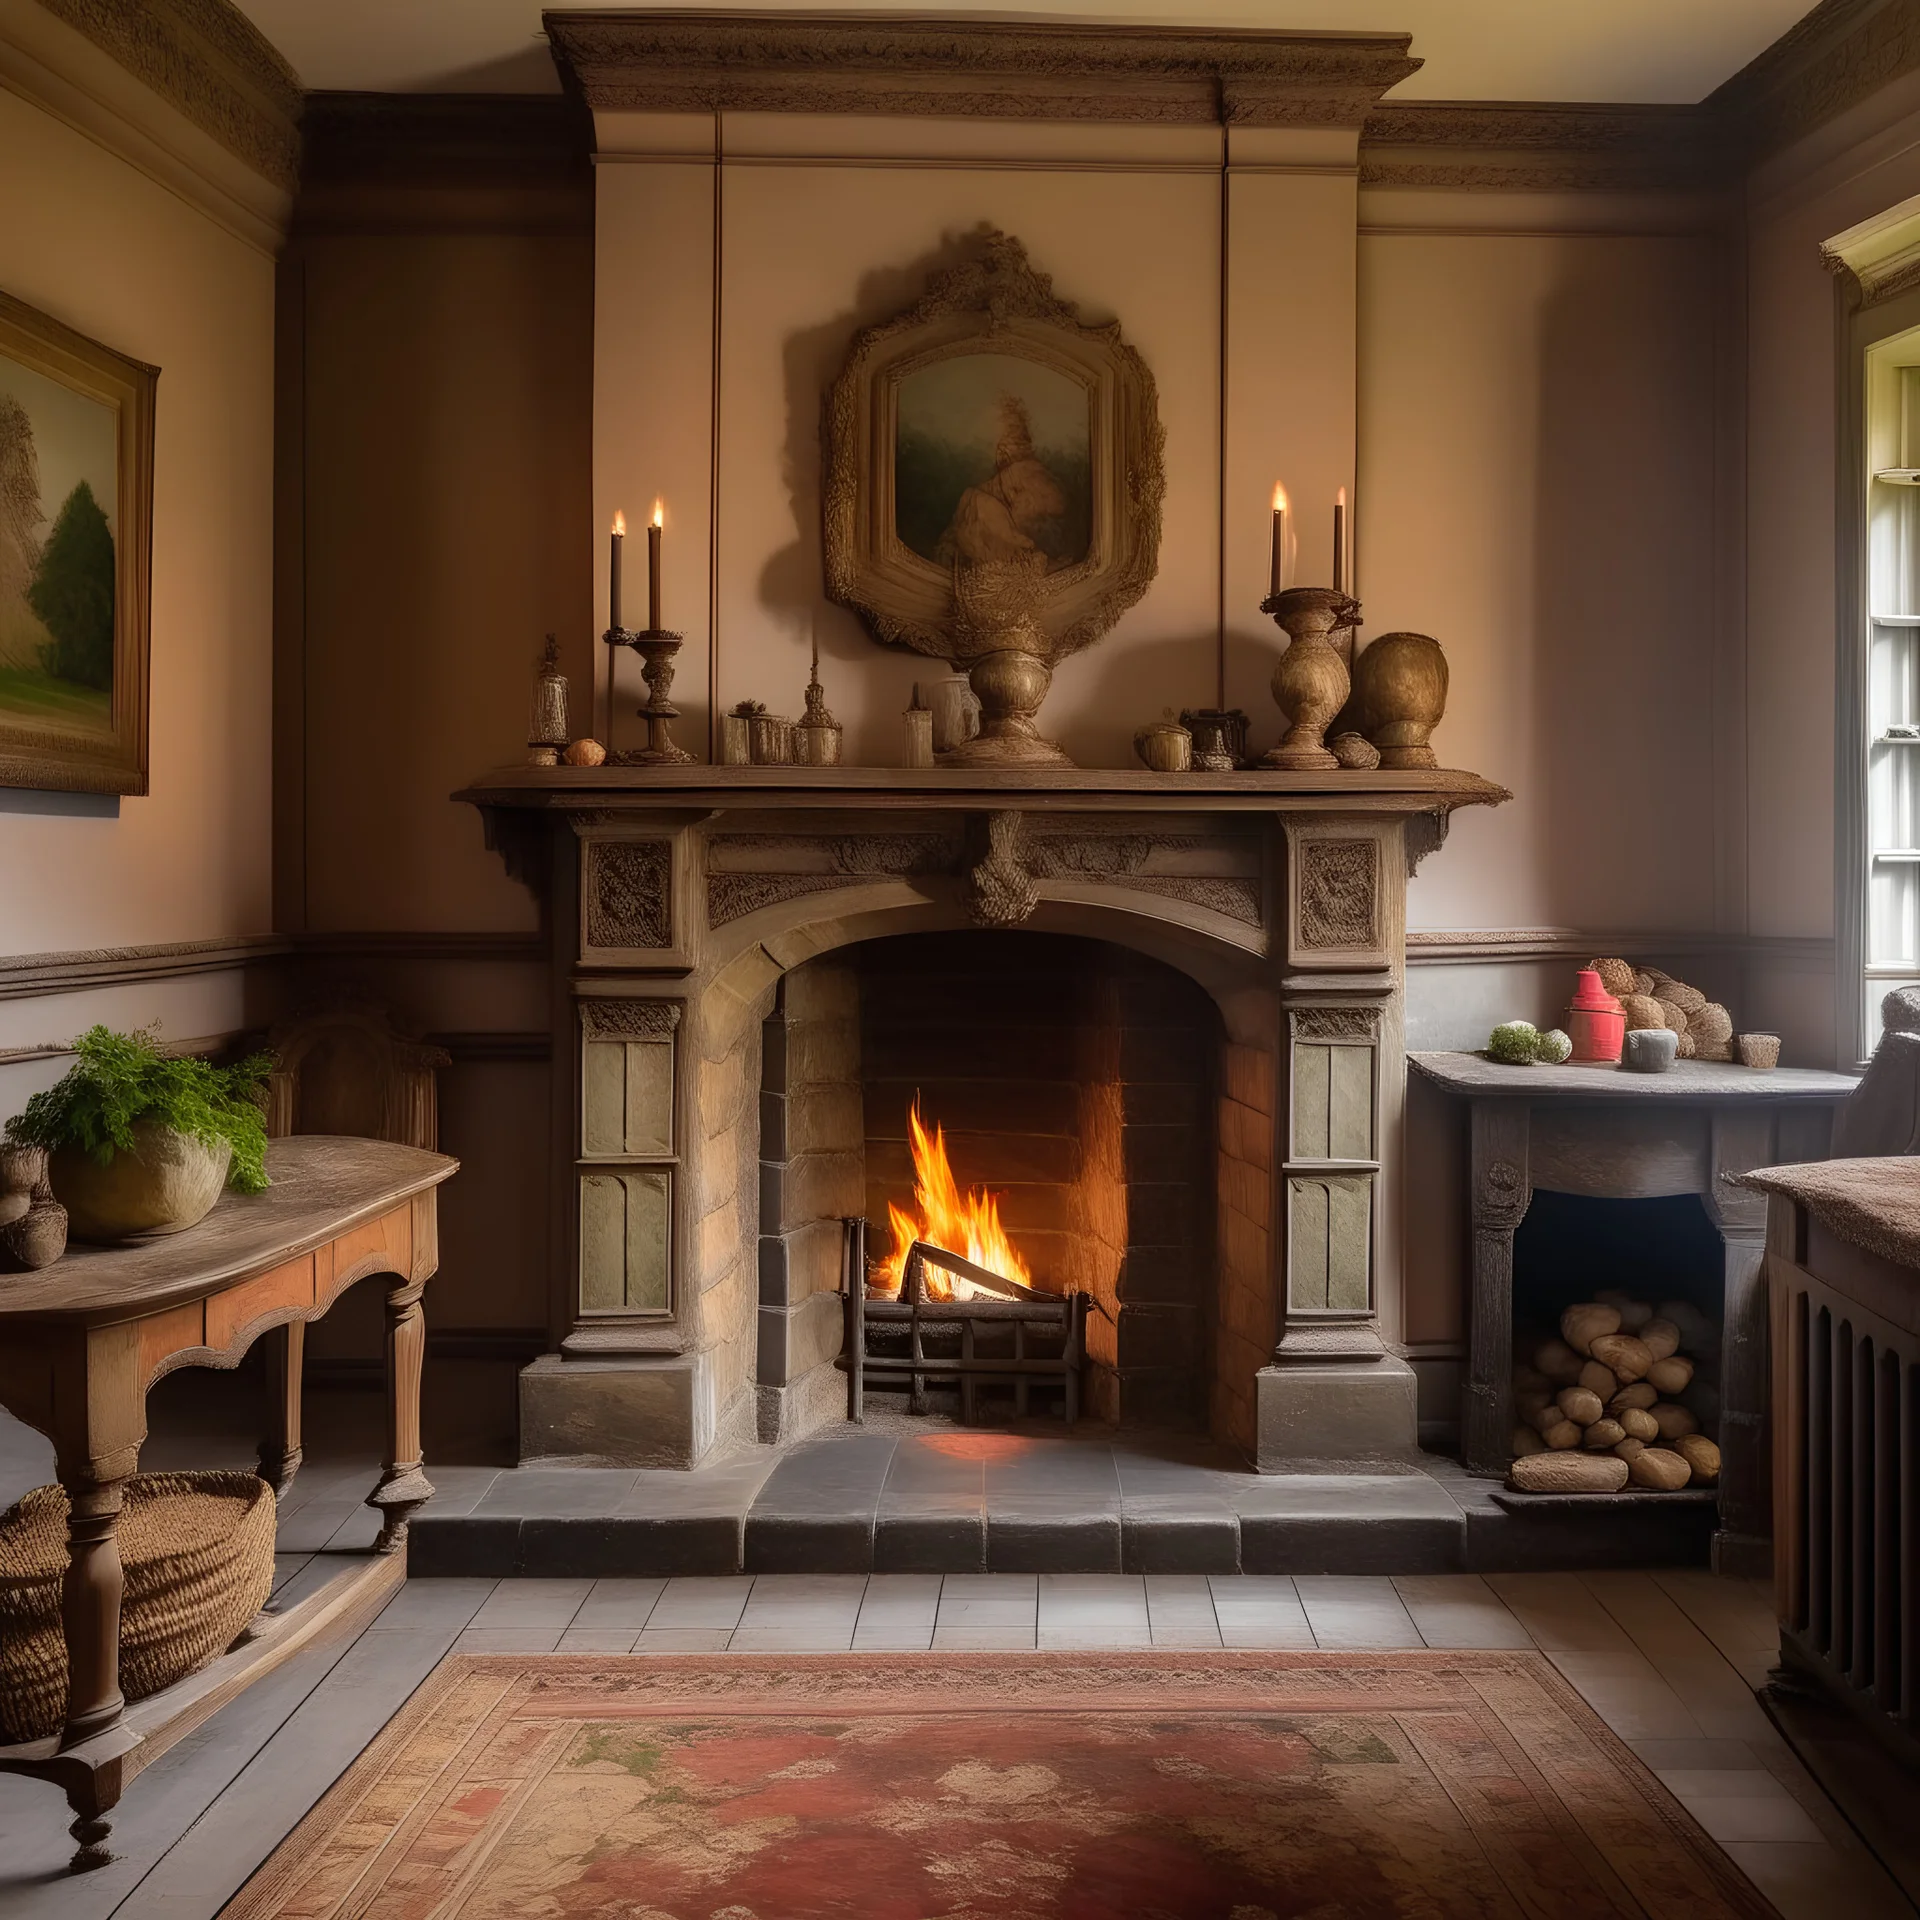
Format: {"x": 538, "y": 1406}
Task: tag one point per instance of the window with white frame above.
{"x": 1888, "y": 713}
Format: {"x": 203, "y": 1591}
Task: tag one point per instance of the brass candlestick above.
{"x": 1311, "y": 682}
{"x": 657, "y": 649}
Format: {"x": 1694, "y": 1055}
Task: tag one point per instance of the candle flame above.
{"x": 659, "y": 513}
{"x": 1279, "y": 498}
{"x": 1340, "y": 498}
{"x": 620, "y": 524}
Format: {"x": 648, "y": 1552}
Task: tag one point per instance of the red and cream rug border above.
{"x": 749, "y": 1685}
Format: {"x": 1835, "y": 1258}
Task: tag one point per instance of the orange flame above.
{"x": 1279, "y": 498}
{"x": 620, "y": 524}
{"x": 659, "y": 513}
{"x": 967, "y": 1223}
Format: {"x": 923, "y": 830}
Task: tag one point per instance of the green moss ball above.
{"x": 1514, "y": 1043}
{"x": 1555, "y": 1046}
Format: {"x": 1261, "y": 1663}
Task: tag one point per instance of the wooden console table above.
{"x": 1611, "y": 1134}
{"x": 80, "y": 1344}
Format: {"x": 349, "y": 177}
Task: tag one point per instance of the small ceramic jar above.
{"x": 772, "y": 739}
{"x": 1166, "y": 746}
{"x": 1651, "y": 1050}
{"x": 1596, "y": 1022}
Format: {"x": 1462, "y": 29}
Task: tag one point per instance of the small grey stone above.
{"x": 1650, "y": 1050}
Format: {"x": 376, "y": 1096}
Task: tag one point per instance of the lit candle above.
{"x": 613, "y": 571}
{"x": 653, "y": 566}
{"x": 1277, "y": 558}
{"x": 1340, "y": 541}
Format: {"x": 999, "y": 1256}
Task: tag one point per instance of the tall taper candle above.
{"x": 653, "y": 567}
{"x": 1340, "y": 541}
{"x": 1277, "y": 557}
{"x": 613, "y": 571}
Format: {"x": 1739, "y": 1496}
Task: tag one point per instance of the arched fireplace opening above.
{"x": 1068, "y": 1085}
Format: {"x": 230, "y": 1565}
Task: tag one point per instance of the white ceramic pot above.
{"x": 168, "y": 1183}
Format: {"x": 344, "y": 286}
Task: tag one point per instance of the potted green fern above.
{"x": 141, "y": 1142}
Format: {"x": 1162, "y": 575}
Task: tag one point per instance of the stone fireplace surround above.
{"x": 694, "y": 1260}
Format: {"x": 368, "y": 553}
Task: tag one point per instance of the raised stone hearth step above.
{"x": 911, "y": 1498}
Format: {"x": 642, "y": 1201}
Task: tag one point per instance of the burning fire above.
{"x": 967, "y": 1223}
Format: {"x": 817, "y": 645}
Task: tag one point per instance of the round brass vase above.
{"x": 1009, "y": 686}
{"x": 1400, "y": 686}
{"x": 1310, "y": 683}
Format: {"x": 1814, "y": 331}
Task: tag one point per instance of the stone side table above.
{"x": 1610, "y": 1134}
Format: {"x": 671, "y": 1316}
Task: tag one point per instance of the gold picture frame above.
{"x": 76, "y": 423}
{"x": 989, "y": 424}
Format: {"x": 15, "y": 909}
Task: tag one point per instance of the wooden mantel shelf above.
{"x": 1015, "y": 788}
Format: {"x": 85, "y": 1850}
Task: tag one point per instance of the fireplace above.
{"x": 1067, "y": 1087}
{"x": 1158, "y": 1016}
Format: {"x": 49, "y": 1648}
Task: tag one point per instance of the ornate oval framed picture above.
{"x": 993, "y": 468}
{"x": 76, "y": 529}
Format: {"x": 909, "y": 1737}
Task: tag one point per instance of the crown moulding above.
{"x": 210, "y": 63}
{"x": 1540, "y": 147}
{"x": 706, "y": 63}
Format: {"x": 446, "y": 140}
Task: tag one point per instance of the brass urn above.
{"x": 1310, "y": 683}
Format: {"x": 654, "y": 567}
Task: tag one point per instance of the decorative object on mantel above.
{"x": 1219, "y": 737}
{"x": 955, "y": 708}
{"x": 1606, "y": 1389}
{"x": 993, "y": 486}
{"x": 770, "y": 739}
{"x": 1595, "y": 1020}
{"x": 917, "y": 734}
{"x": 736, "y": 733}
{"x": 1354, "y": 751}
{"x": 587, "y": 752}
{"x": 1400, "y": 696}
{"x": 33, "y": 1224}
{"x": 1758, "y": 1050}
{"x": 816, "y": 734}
{"x": 658, "y": 649}
{"x": 547, "y": 729}
{"x": 1650, "y": 1049}
{"x": 1650, "y": 998}
{"x": 1310, "y": 682}
{"x": 1165, "y": 746}
{"x": 140, "y": 1142}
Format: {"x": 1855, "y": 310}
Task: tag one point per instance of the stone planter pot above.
{"x": 168, "y": 1183}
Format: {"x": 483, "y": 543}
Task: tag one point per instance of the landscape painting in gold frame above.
{"x": 76, "y": 537}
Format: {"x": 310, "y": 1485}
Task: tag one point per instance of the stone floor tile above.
{"x": 1259, "y": 1610}
{"x": 990, "y": 1600}
{"x": 1459, "y": 1610}
{"x": 533, "y": 1603}
{"x": 1008, "y": 1634}
{"x": 595, "y": 1640}
{"x": 1093, "y": 1610}
{"x": 695, "y": 1602}
{"x": 611, "y": 1605}
{"x": 1629, "y": 1695}
{"x": 1180, "y": 1610}
{"x": 1355, "y": 1610}
{"x": 683, "y": 1640}
{"x": 508, "y": 1640}
{"x": 897, "y": 1612}
{"x": 824, "y": 1635}
{"x": 1561, "y": 1614}
{"x": 448, "y": 1604}
{"x": 1726, "y": 1756}
{"x": 1809, "y": 1880}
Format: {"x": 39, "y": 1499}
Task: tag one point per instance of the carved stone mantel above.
{"x": 679, "y": 896}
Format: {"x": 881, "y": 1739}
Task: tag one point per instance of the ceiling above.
{"x": 1650, "y": 50}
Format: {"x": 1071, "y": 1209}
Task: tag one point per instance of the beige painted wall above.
{"x": 109, "y": 251}
{"x": 445, "y": 480}
{"x": 1536, "y": 463}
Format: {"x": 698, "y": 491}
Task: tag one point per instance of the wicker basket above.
{"x": 198, "y": 1554}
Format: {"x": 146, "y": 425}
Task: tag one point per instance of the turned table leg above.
{"x": 90, "y": 1609}
{"x": 403, "y": 1486}
{"x": 280, "y": 1451}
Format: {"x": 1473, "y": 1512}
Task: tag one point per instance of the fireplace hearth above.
{"x": 1157, "y": 1016}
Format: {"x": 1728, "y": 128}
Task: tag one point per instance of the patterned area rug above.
{"x": 1167, "y": 1786}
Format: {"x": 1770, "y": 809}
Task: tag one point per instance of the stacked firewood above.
{"x": 1605, "y": 1403}
{"x": 1655, "y": 999}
